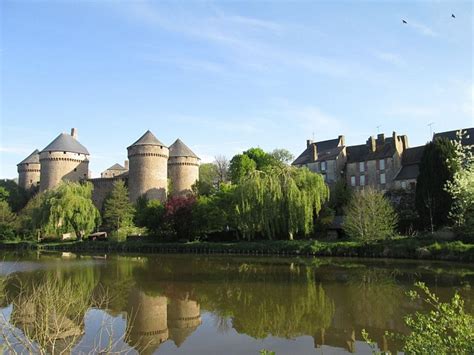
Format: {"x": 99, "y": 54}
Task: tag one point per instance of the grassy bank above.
{"x": 403, "y": 248}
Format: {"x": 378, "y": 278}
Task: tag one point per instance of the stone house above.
{"x": 115, "y": 170}
{"x": 375, "y": 163}
{"x": 406, "y": 177}
{"x": 326, "y": 157}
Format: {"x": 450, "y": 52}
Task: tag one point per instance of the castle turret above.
{"x": 63, "y": 159}
{"x": 29, "y": 171}
{"x": 147, "y": 174}
{"x": 184, "y": 316}
{"x": 183, "y": 168}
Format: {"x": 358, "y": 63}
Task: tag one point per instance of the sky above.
{"x": 230, "y": 75}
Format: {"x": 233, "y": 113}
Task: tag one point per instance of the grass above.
{"x": 401, "y": 247}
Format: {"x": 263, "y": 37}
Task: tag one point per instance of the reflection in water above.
{"x": 160, "y": 298}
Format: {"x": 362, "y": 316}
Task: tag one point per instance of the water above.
{"x": 183, "y": 304}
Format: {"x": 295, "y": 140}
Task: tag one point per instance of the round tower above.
{"x": 183, "y": 168}
{"x": 63, "y": 159}
{"x": 147, "y": 174}
{"x": 29, "y": 171}
{"x": 184, "y": 316}
{"x": 147, "y": 319}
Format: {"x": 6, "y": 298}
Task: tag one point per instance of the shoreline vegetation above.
{"x": 398, "y": 248}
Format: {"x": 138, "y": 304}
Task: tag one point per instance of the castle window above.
{"x": 323, "y": 166}
{"x": 75, "y": 169}
{"x": 404, "y": 184}
{"x": 382, "y": 179}
{"x": 64, "y": 152}
{"x": 382, "y": 164}
{"x": 361, "y": 166}
{"x": 353, "y": 180}
{"x": 362, "y": 180}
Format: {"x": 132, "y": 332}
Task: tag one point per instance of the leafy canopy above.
{"x": 118, "y": 211}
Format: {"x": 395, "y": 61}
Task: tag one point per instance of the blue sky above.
{"x": 226, "y": 76}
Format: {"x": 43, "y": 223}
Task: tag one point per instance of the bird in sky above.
{"x": 404, "y": 21}
{"x": 452, "y": 15}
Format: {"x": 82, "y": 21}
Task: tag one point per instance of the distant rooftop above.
{"x": 117, "y": 166}
{"x": 468, "y": 139}
{"x": 147, "y": 139}
{"x": 66, "y": 143}
{"x": 179, "y": 149}
{"x": 327, "y": 148}
{"x": 33, "y": 158}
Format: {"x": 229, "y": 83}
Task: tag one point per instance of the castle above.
{"x": 150, "y": 166}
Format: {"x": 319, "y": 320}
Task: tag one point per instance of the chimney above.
{"x": 314, "y": 152}
{"x": 125, "y": 164}
{"x": 74, "y": 133}
{"x": 308, "y": 142}
{"x": 372, "y": 144}
{"x": 380, "y": 139}
{"x": 342, "y": 141}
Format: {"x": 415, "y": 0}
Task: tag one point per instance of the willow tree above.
{"x": 68, "y": 208}
{"x": 280, "y": 202}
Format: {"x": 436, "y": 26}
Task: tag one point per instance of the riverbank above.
{"x": 400, "y": 248}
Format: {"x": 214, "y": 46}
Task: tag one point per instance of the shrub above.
{"x": 369, "y": 216}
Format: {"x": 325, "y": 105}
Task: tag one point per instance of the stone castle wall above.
{"x": 102, "y": 189}
{"x": 29, "y": 175}
{"x": 59, "y": 166}
{"x": 183, "y": 173}
{"x": 148, "y": 172}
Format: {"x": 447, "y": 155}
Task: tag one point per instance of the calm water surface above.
{"x": 183, "y": 304}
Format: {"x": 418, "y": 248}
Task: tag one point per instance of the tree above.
{"x": 67, "y": 208}
{"x": 208, "y": 179}
{"x": 461, "y": 187}
{"x": 118, "y": 211}
{"x": 283, "y": 156}
{"x": 8, "y": 221}
{"x": 369, "y": 216}
{"x": 240, "y": 166}
{"x": 150, "y": 214}
{"x": 179, "y": 215}
{"x": 433, "y": 202}
{"x": 17, "y": 197}
{"x": 280, "y": 202}
{"x": 340, "y": 197}
{"x": 222, "y": 165}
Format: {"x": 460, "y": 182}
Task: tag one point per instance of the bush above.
{"x": 369, "y": 216}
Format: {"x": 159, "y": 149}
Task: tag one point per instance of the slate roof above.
{"x": 451, "y": 135}
{"x": 33, "y": 158}
{"x": 179, "y": 149}
{"x": 147, "y": 139}
{"x": 66, "y": 143}
{"x": 116, "y": 167}
{"x": 410, "y": 163}
{"x": 358, "y": 153}
{"x": 329, "y": 146}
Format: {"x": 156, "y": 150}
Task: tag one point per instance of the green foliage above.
{"x": 208, "y": 179}
{"x": 17, "y": 197}
{"x": 340, "y": 197}
{"x": 282, "y": 156}
{"x": 4, "y": 194}
{"x": 68, "y": 208}
{"x": 404, "y": 205}
{"x": 208, "y": 216}
{"x": 461, "y": 187}
{"x": 8, "y": 221}
{"x": 118, "y": 211}
{"x": 150, "y": 214}
{"x": 280, "y": 202}
{"x": 446, "y": 329}
{"x": 369, "y": 216}
{"x": 241, "y": 165}
{"x": 433, "y": 202}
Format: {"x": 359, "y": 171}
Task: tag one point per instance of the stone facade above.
{"x": 115, "y": 170}
{"x": 148, "y": 168}
{"x": 183, "y": 168}
{"x": 29, "y": 171}
{"x": 103, "y": 187}
{"x": 61, "y": 166}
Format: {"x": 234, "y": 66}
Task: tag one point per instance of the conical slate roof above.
{"x": 33, "y": 158}
{"x": 116, "y": 167}
{"x": 179, "y": 149}
{"x": 66, "y": 143}
{"x": 147, "y": 139}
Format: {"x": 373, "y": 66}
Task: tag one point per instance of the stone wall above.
{"x": 102, "y": 188}
{"x": 59, "y": 166}
{"x": 29, "y": 175}
{"x": 183, "y": 173}
{"x": 148, "y": 172}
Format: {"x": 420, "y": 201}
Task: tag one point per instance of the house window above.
{"x": 362, "y": 180}
{"x": 404, "y": 184}
{"x": 382, "y": 164}
{"x": 361, "y": 166}
{"x": 353, "y": 180}
{"x": 382, "y": 178}
{"x": 323, "y": 166}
